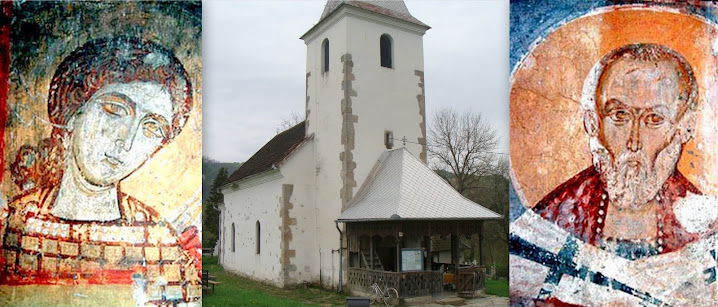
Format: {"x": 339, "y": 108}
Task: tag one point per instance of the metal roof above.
{"x": 401, "y": 187}
{"x": 396, "y": 9}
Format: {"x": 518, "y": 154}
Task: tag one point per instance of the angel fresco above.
{"x": 638, "y": 223}
{"x": 113, "y": 103}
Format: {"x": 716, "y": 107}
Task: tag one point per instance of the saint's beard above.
{"x": 632, "y": 187}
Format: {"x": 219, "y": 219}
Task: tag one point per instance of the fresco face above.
{"x": 102, "y": 140}
{"x": 613, "y": 172}
{"x": 638, "y": 108}
{"x": 122, "y": 125}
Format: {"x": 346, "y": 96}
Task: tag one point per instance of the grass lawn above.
{"x": 497, "y": 287}
{"x": 239, "y": 291}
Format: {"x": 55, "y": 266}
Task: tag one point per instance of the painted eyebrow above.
{"x": 164, "y": 123}
{"x": 664, "y": 111}
{"x": 120, "y": 98}
{"x": 612, "y": 104}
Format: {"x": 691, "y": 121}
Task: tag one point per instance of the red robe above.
{"x": 576, "y": 204}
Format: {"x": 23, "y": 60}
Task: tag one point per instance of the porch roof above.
{"x": 401, "y": 187}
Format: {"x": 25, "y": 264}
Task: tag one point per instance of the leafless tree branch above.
{"x": 290, "y": 121}
{"x": 463, "y": 144}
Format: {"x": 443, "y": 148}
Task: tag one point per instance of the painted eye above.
{"x": 620, "y": 116}
{"x": 153, "y": 129}
{"x": 114, "y": 108}
{"x": 654, "y": 119}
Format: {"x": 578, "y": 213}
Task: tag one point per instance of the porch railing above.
{"x": 409, "y": 284}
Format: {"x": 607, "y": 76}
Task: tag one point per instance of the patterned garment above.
{"x": 138, "y": 249}
{"x": 560, "y": 257}
{"x": 580, "y": 206}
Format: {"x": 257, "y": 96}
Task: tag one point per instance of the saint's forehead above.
{"x": 642, "y": 82}
{"x": 149, "y": 97}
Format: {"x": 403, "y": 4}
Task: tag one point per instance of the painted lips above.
{"x": 112, "y": 160}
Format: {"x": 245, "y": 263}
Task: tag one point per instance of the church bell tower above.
{"x": 365, "y": 84}
{"x": 364, "y": 94}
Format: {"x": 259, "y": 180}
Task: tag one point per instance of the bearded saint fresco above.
{"x": 70, "y": 230}
{"x": 621, "y": 210}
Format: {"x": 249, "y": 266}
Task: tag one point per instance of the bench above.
{"x": 207, "y": 280}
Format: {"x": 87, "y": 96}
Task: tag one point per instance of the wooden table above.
{"x": 208, "y": 280}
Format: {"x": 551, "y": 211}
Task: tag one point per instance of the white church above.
{"x": 335, "y": 200}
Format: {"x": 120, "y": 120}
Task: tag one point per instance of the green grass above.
{"x": 239, "y": 291}
{"x": 497, "y": 287}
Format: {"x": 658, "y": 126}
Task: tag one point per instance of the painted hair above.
{"x": 95, "y": 64}
{"x": 646, "y": 53}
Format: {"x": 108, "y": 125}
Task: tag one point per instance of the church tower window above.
{"x": 385, "y": 50}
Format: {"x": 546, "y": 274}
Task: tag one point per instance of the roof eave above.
{"x": 248, "y": 178}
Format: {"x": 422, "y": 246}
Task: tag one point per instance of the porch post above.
{"x": 455, "y": 253}
{"x": 398, "y": 254}
{"x": 481, "y": 242}
{"x": 361, "y": 254}
{"x": 427, "y": 260}
{"x": 371, "y": 252}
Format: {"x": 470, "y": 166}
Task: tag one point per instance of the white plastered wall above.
{"x": 298, "y": 170}
{"x": 244, "y": 207}
{"x": 325, "y": 121}
{"x": 386, "y": 97}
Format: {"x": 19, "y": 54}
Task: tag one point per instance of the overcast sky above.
{"x": 254, "y": 66}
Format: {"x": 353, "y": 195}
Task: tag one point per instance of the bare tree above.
{"x": 463, "y": 143}
{"x": 463, "y": 147}
{"x": 288, "y": 122}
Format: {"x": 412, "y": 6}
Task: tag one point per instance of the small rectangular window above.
{"x": 388, "y": 139}
{"x": 259, "y": 238}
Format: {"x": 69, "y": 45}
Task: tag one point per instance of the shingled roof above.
{"x": 400, "y": 186}
{"x": 271, "y": 154}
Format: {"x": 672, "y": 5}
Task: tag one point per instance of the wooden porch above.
{"x": 374, "y": 253}
{"x": 409, "y": 284}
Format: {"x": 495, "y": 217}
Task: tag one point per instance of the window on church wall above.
{"x": 258, "y": 237}
{"x": 385, "y": 51}
{"x": 233, "y": 232}
{"x": 325, "y": 55}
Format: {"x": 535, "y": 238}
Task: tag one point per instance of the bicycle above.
{"x": 388, "y": 295}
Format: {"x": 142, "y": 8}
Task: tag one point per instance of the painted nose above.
{"x": 634, "y": 139}
{"x": 126, "y": 142}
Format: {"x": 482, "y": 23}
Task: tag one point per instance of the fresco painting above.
{"x": 613, "y": 155}
{"x": 102, "y": 153}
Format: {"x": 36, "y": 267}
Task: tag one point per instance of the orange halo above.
{"x": 548, "y": 142}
